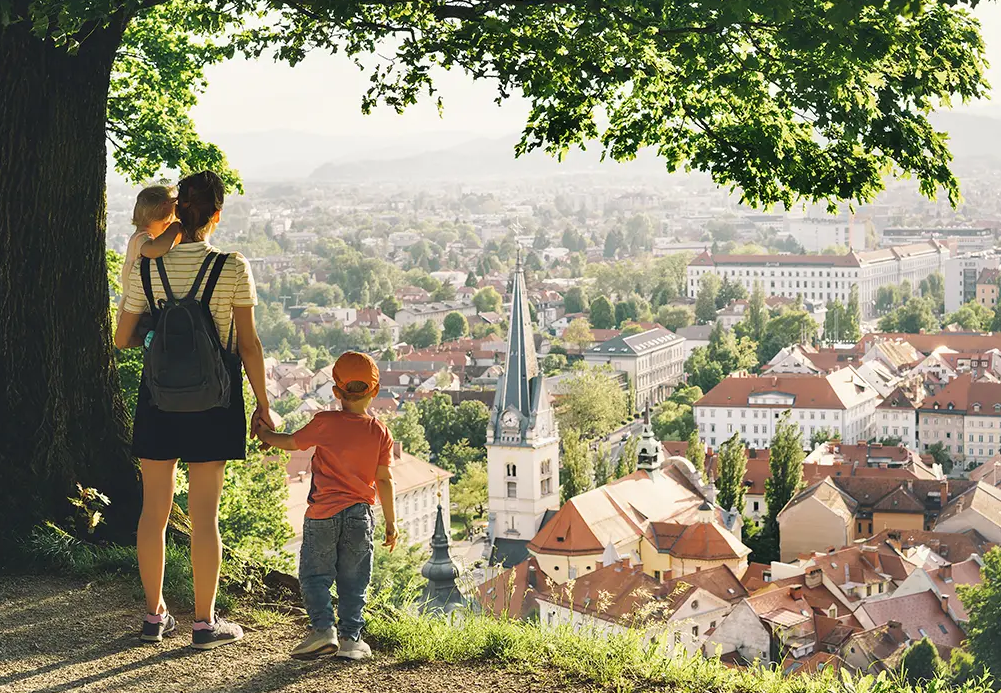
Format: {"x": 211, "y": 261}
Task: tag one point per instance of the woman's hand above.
{"x": 261, "y": 418}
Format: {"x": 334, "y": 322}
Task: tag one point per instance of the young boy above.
{"x": 351, "y": 464}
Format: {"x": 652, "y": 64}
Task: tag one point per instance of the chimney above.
{"x": 626, "y": 563}
{"x": 814, "y": 577}
{"x": 946, "y": 572}
{"x": 397, "y": 450}
{"x": 533, "y": 578}
{"x": 945, "y": 603}
{"x": 796, "y": 592}
{"x": 944, "y": 491}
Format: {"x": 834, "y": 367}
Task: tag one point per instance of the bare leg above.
{"x": 204, "y": 491}
{"x": 151, "y": 540}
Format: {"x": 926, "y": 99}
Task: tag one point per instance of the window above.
{"x": 512, "y": 489}
{"x": 546, "y": 468}
{"x": 656, "y": 575}
{"x": 756, "y": 504}
{"x": 712, "y": 624}
{"x": 546, "y": 487}
{"x": 695, "y": 631}
{"x": 512, "y": 470}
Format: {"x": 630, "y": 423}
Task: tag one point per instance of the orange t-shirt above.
{"x": 349, "y": 449}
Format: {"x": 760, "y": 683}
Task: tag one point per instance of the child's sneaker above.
{"x": 354, "y": 649}
{"x": 316, "y": 644}
{"x": 208, "y": 636}
{"x": 155, "y": 626}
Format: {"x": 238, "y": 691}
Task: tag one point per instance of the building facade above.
{"x": 961, "y": 275}
{"x": 420, "y": 313}
{"x": 987, "y": 288}
{"x": 654, "y": 361}
{"x": 824, "y": 277}
{"x": 841, "y": 402}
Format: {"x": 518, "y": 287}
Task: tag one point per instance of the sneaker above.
{"x": 316, "y": 644}
{"x": 156, "y": 626}
{"x": 206, "y": 636}
{"x": 354, "y": 649}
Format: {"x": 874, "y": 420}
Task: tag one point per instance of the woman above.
{"x": 204, "y": 440}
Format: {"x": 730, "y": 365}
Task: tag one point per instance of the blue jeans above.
{"x": 337, "y": 550}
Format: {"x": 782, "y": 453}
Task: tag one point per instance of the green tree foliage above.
{"x": 591, "y": 403}
{"x": 602, "y": 463}
{"x": 322, "y": 294}
{"x": 888, "y": 297}
{"x": 983, "y": 604}
{"x": 408, "y": 431}
{"x": 729, "y": 291}
{"x": 757, "y": 313}
{"x": 707, "y": 366}
{"x": 940, "y": 453}
{"x": 554, "y": 363}
{"x": 456, "y": 457}
{"x": 454, "y": 327}
{"x": 576, "y": 466}
{"x": 933, "y": 287}
{"x": 274, "y": 326}
{"x": 396, "y": 573}
{"x": 469, "y": 494}
{"x": 575, "y": 301}
{"x": 822, "y": 435}
{"x": 630, "y": 311}
{"x": 785, "y": 465}
{"x": 129, "y": 364}
{"x": 696, "y": 452}
{"x": 421, "y": 336}
{"x": 705, "y": 300}
{"x": 835, "y": 322}
{"x": 971, "y": 317}
{"x": 679, "y": 77}
{"x": 602, "y": 315}
{"x": 628, "y": 457}
{"x": 913, "y": 317}
{"x": 445, "y": 424}
{"x": 731, "y": 467}
{"x": 703, "y": 372}
{"x": 471, "y": 280}
{"x": 286, "y": 405}
{"x": 673, "y": 418}
{"x": 390, "y": 305}
{"x": 578, "y": 334}
{"x": 487, "y": 300}
{"x": 853, "y": 313}
{"x": 921, "y": 662}
{"x": 613, "y": 242}
{"x": 675, "y": 317}
{"x": 962, "y": 667}
{"x": 789, "y": 327}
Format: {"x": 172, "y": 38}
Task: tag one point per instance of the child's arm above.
{"x": 159, "y": 246}
{"x": 285, "y": 441}
{"x": 386, "y": 488}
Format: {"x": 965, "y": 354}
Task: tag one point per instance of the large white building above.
{"x": 654, "y": 361}
{"x": 961, "y": 273}
{"x": 841, "y": 402}
{"x": 816, "y": 234}
{"x": 825, "y": 277}
{"x": 965, "y": 238}
{"x": 523, "y": 443}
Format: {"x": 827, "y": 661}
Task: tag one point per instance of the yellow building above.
{"x": 987, "y": 288}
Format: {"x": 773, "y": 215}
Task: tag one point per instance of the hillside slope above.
{"x": 59, "y": 635}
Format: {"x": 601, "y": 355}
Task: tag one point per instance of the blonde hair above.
{"x": 154, "y": 203}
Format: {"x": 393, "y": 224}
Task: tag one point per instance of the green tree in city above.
{"x": 602, "y": 463}
{"x": 853, "y": 313}
{"x": 731, "y": 466}
{"x": 390, "y": 305}
{"x": 487, "y": 300}
{"x": 576, "y": 468}
{"x": 785, "y": 466}
{"x": 705, "y": 300}
{"x": 971, "y": 317}
{"x": 469, "y": 493}
{"x": 823, "y": 435}
{"x": 921, "y": 662}
{"x": 454, "y": 327}
{"x": 407, "y": 430}
{"x": 835, "y": 321}
{"x": 703, "y": 372}
{"x": 696, "y": 452}
{"x": 789, "y": 327}
{"x": 128, "y": 72}
{"x": 471, "y": 280}
{"x": 591, "y": 403}
{"x": 673, "y": 418}
{"x": 575, "y": 301}
{"x": 421, "y": 336}
{"x": 437, "y": 417}
{"x": 628, "y": 457}
{"x": 613, "y": 242}
{"x": 602, "y": 315}
{"x": 729, "y": 291}
{"x": 286, "y": 405}
{"x": 757, "y": 313}
{"x": 983, "y": 604}
{"x": 554, "y": 363}
{"x": 675, "y": 317}
{"x": 578, "y": 334}
{"x": 457, "y": 456}
{"x": 933, "y": 287}
{"x": 915, "y": 316}
{"x": 397, "y": 573}
{"x": 940, "y": 453}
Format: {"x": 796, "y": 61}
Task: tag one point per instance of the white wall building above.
{"x": 816, "y": 234}
{"x": 961, "y": 274}
{"x": 842, "y": 402}
{"x": 654, "y": 361}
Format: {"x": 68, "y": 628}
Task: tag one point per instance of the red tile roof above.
{"x": 510, "y": 592}
{"x": 920, "y": 615}
{"x": 809, "y": 391}
{"x": 705, "y": 541}
{"x": 927, "y": 343}
{"x": 952, "y": 547}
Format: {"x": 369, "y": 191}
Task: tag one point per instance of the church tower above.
{"x": 523, "y": 467}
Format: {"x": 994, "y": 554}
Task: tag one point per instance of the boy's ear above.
{"x": 375, "y": 392}
{"x": 217, "y": 216}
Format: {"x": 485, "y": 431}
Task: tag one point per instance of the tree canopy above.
{"x": 591, "y": 403}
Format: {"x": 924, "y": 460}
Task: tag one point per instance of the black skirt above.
{"x": 208, "y": 436}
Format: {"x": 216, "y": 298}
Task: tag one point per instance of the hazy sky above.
{"x": 323, "y": 94}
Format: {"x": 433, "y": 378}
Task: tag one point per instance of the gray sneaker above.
{"x": 317, "y": 644}
{"x": 156, "y": 627}
{"x": 206, "y": 636}
{"x": 354, "y": 649}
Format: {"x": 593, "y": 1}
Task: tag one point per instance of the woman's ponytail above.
{"x": 199, "y": 196}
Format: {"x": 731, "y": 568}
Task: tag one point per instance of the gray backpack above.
{"x": 186, "y": 367}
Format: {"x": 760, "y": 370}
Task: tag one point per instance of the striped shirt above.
{"x": 235, "y": 287}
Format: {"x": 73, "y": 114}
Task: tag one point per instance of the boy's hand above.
{"x": 391, "y": 536}
{"x": 261, "y": 421}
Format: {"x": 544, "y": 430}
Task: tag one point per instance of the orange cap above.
{"x": 353, "y": 366}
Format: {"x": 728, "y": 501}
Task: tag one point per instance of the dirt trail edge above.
{"x": 59, "y": 635}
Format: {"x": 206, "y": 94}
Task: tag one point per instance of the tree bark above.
{"x": 62, "y": 420}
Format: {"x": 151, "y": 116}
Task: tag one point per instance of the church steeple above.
{"x": 522, "y": 364}
{"x": 440, "y": 593}
{"x": 650, "y": 455}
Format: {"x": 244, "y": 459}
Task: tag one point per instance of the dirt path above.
{"x": 58, "y": 636}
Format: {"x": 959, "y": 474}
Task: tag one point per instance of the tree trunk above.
{"x": 62, "y": 420}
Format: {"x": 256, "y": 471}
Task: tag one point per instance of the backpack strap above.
{"x": 162, "y": 271}
{"x": 201, "y": 275}
{"x": 147, "y": 285}
{"x": 213, "y": 279}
